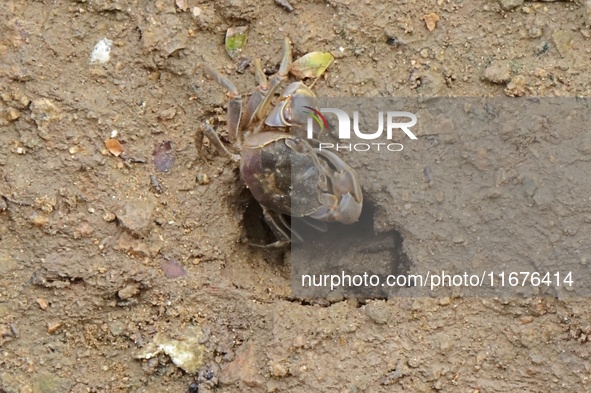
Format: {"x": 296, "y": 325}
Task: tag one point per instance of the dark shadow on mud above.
{"x": 343, "y": 261}
{"x": 257, "y": 231}
{"x": 347, "y": 260}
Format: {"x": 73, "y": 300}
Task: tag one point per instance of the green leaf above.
{"x": 235, "y": 40}
{"x": 311, "y": 65}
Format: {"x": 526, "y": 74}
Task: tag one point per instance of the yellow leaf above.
{"x": 311, "y": 65}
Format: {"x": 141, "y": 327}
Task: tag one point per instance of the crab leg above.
{"x": 286, "y": 59}
{"x": 280, "y": 228}
{"x": 274, "y": 82}
{"x": 213, "y": 137}
{"x": 234, "y": 105}
{"x": 256, "y": 100}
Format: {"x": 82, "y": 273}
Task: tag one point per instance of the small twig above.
{"x": 14, "y": 330}
{"x": 244, "y": 63}
{"x": 285, "y": 4}
{"x": 427, "y": 173}
{"x": 20, "y": 203}
{"x": 131, "y": 160}
{"x": 155, "y": 184}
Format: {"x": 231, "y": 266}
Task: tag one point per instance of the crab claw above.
{"x": 345, "y": 210}
{"x": 345, "y": 202}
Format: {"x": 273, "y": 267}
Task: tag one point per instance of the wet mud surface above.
{"x": 111, "y": 269}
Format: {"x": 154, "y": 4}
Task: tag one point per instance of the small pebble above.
{"x": 39, "y": 220}
{"x": 587, "y": 12}
{"x": 12, "y": 114}
{"x": 508, "y": 5}
{"x": 498, "y": 72}
{"x": 129, "y": 291}
{"x": 277, "y": 369}
{"x": 440, "y": 196}
{"x": 182, "y": 4}
{"x": 536, "y": 359}
{"x": 431, "y": 20}
{"x": 167, "y": 114}
{"x": 299, "y": 341}
{"x": 203, "y": 179}
{"x": 85, "y": 229}
{"x": 413, "y": 362}
{"x": 516, "y": 88}
{"x": 42, "y": 303}
{"x": 136, "y": 216}
{"x": 377, "y": 312}
{"x": 526, "y": 319}
{"x": 53, "y": 327}
{"x": 101, "y": 52}
{"x": 116, "y": 328}
{"x": 563, "y": 40}
{"x": 109, "y": 217}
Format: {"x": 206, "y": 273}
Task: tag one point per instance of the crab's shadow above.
{"x": 345, "y": 251}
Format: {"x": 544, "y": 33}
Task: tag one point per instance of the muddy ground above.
{"x": 90, "y": 245}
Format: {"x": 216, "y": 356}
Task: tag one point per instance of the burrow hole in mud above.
{"x": 347, "y": 247}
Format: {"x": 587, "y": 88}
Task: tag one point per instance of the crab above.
{"x": 287, "y": 175}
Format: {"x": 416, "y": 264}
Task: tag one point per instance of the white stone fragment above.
{"x": 101, "y": 52}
